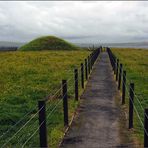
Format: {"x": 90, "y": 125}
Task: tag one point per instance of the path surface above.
{"x": 96, "y": 125}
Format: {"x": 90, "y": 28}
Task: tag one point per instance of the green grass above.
{"x": 48, "y": 43}
{"x": 27, "y": 77}
{"x": 135, "y": 63}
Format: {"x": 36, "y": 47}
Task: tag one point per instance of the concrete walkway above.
{"x": 97, "y": 122}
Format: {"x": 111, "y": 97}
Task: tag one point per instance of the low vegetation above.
{"x": 48, "y": 43}
{"x": 27, "y": 77}
{"x": 135, "y": 63}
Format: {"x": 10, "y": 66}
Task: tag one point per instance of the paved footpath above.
{"x": 97, "y": 122}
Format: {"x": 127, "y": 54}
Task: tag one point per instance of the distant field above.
{"x": 25, "y": 78}
{"x": 135, "y": 62}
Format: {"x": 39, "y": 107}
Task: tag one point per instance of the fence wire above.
{"x": 32, "y": 122}
{"x": 135, "y": 96}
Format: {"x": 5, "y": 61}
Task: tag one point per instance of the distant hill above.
{"x": 10, "y": 44}
{"x": 120, "y": 45}
{"x": 128, "y": 45}
{"x": 48, "y": 43}
{"x": 6, "y": 45}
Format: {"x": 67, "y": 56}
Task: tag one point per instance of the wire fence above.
{"x": 26, "y": 132}
{"x": 141, "y": 117}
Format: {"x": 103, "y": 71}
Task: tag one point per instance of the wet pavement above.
{"x": 97, "y": 122}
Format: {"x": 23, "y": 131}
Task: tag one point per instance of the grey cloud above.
{"x": 76, "y": 21}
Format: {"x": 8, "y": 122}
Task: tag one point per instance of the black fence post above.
{"x": 76, "y": 84}
{"x": 120, "y": 74}
{"x": 82, "y": 75}
{"x": 88, "y": 64}
{"x": 146, "y": 128}
{"x": 117, "y": 69}
{"x": 92, "y": 58}
{"x": 42, "y": 124}
{"x": 91, "y": 61}
{"x": 123, "y": 87}
{"x": 131, "y": 105}
{"x": 100, "y": 48}
{"x": 65, "y": 102}
{"x": 114, "y": 64}
{"x": 86, "y": 74}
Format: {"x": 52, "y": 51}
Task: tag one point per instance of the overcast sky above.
{"x": 76, "y": 21}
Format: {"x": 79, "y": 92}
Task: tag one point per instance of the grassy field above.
{"x": 135, "y": 62}
{"x": 25, "y": 78}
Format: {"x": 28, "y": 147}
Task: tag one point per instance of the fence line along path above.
{"x": 97, "y": 122}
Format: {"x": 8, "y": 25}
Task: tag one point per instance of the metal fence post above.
{"x": 42, "y": 124}
{"x": 76, "y": 84}
{"x": 123, "y": 87}
{"x": 146, "y": 128}
{"x": 131, "y": 104}
{"x": 65, "y": 102}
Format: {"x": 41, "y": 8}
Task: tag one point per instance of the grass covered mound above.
{"x": 48, "y": 43}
